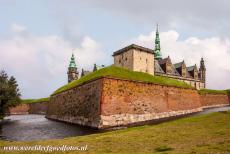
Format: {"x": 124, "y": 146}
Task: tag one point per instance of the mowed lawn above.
{"x": 200, "y": 134}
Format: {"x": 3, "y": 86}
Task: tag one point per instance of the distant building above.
{"x": 84, "y": 72}
{"x": 97, "y": 67}
{"x": 138, "y": 58}
{"x": 72, "y": 70}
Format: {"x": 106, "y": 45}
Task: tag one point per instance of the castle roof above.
{"x": 84, "y": 72}
{"x": 175, "y": 72}
{"x": 191, "y": 68}
{"x": 133, "y": 46}
{"x": 157, "y": 45}
{"x": 163, "y": 61}
{"x": 158, "y": 68}
{"x": 178, "y": 65}
{"x": 97, "y": 67}
{"x": 72, "y": 63}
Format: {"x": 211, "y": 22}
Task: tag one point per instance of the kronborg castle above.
{"x": 106, "y": 97}
{"x": 138, "y": 58}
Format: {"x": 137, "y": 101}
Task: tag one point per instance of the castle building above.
{"x": 138, "y": 58}
{"x": 72, "y": 70}
{"x": 135, "y": 58}
{"x": 84, "y": 72}
{"x": 95, "y": 68}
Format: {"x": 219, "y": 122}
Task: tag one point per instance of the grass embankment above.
{"x": 201, "y": 134}
{"x": 211, "y": 91}
{"x": 29, "y": 101}
{"x": 122, "y": 73}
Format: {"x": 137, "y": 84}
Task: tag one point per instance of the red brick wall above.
{"x": 229, "y": 98}
{"x": 214, "y": 99}
{"x": 38, "y": 108}
{"x": 19, "y": 109}
{"x": 122, "y": 96}
{"x": 79, "y": 105}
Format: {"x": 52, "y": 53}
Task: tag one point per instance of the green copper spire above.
{"x": 72, "y": 63}
{"x": 157, "y": 45}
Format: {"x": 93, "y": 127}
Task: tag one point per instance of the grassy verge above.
{"x": 29, "y": 101}
{"x": 201, "y": 134}
{"x": 122, "y": 73}
{"x": 211, "y": 91}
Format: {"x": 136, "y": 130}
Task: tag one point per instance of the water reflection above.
{"x": 37, "y": 127}
{"x": 217, "y": 109}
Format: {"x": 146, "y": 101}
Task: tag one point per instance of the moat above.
{"x": 37, "y": 127}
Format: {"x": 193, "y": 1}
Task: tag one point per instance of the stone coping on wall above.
{"x": 214, "y": 106}
{"x": 126, "y": 119}
{"x": 80, "y": 120}
{"x": 110, "y": 77}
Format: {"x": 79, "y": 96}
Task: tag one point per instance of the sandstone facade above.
{"x": 135, "y": 58}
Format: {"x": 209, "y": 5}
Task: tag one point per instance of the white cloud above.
{"x": 216, "y": 52}
{"x": 40, "y": 63}
{"x": 17, "y": 28}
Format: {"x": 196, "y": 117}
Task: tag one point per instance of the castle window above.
{"x": 126, "y": 59}
{"x": 140, "y": 58}
{"x": 119, "y": 61}
{"x": 146, "y": 60}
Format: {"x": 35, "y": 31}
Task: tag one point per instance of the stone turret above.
{"x": 157, "y": 46}
{"x": 202, "y": 70}
{"x": 72, "y": 70}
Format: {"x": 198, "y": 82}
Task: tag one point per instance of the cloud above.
{"x": 40, "y": 63}
{"x": 216, "y": 52}
{"x": 189, "y": 16}
{"x": 16, "y": 28}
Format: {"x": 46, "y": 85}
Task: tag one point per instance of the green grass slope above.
{"x": 211, "y": 91}
{"x": 28, "y": 101}
{"x": 200, "y": 134}
{"x": 122, "y": 73}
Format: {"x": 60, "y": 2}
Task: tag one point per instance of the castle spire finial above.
{"x": 72, "y": 63}
{"x": 157, "y": 45}
{"x": 157, "y": 27}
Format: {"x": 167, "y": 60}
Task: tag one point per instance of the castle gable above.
{"x": 193, "y": 71}
{"x": 158, "y": 68}
{"x": 181, "y": 69}
{"x": 168, "y": 67}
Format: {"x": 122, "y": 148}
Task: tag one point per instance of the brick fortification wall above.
{"x": 212, "y": 100}
{"x": 80, "y": 105}
{"x": 38, "y": 108}
{"x": 125, "y": 102}
{"x": 109, "y": 102}
{"x": 34, "y": 108}
{"x": 19, "y": 109}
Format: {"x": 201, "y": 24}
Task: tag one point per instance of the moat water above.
{"x": 37, "y": 127}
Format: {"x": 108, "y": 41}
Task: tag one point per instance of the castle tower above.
{"x": 72, "y": 70}
{"x": 202, "y": 70}
{"x": 157, "y": 46}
